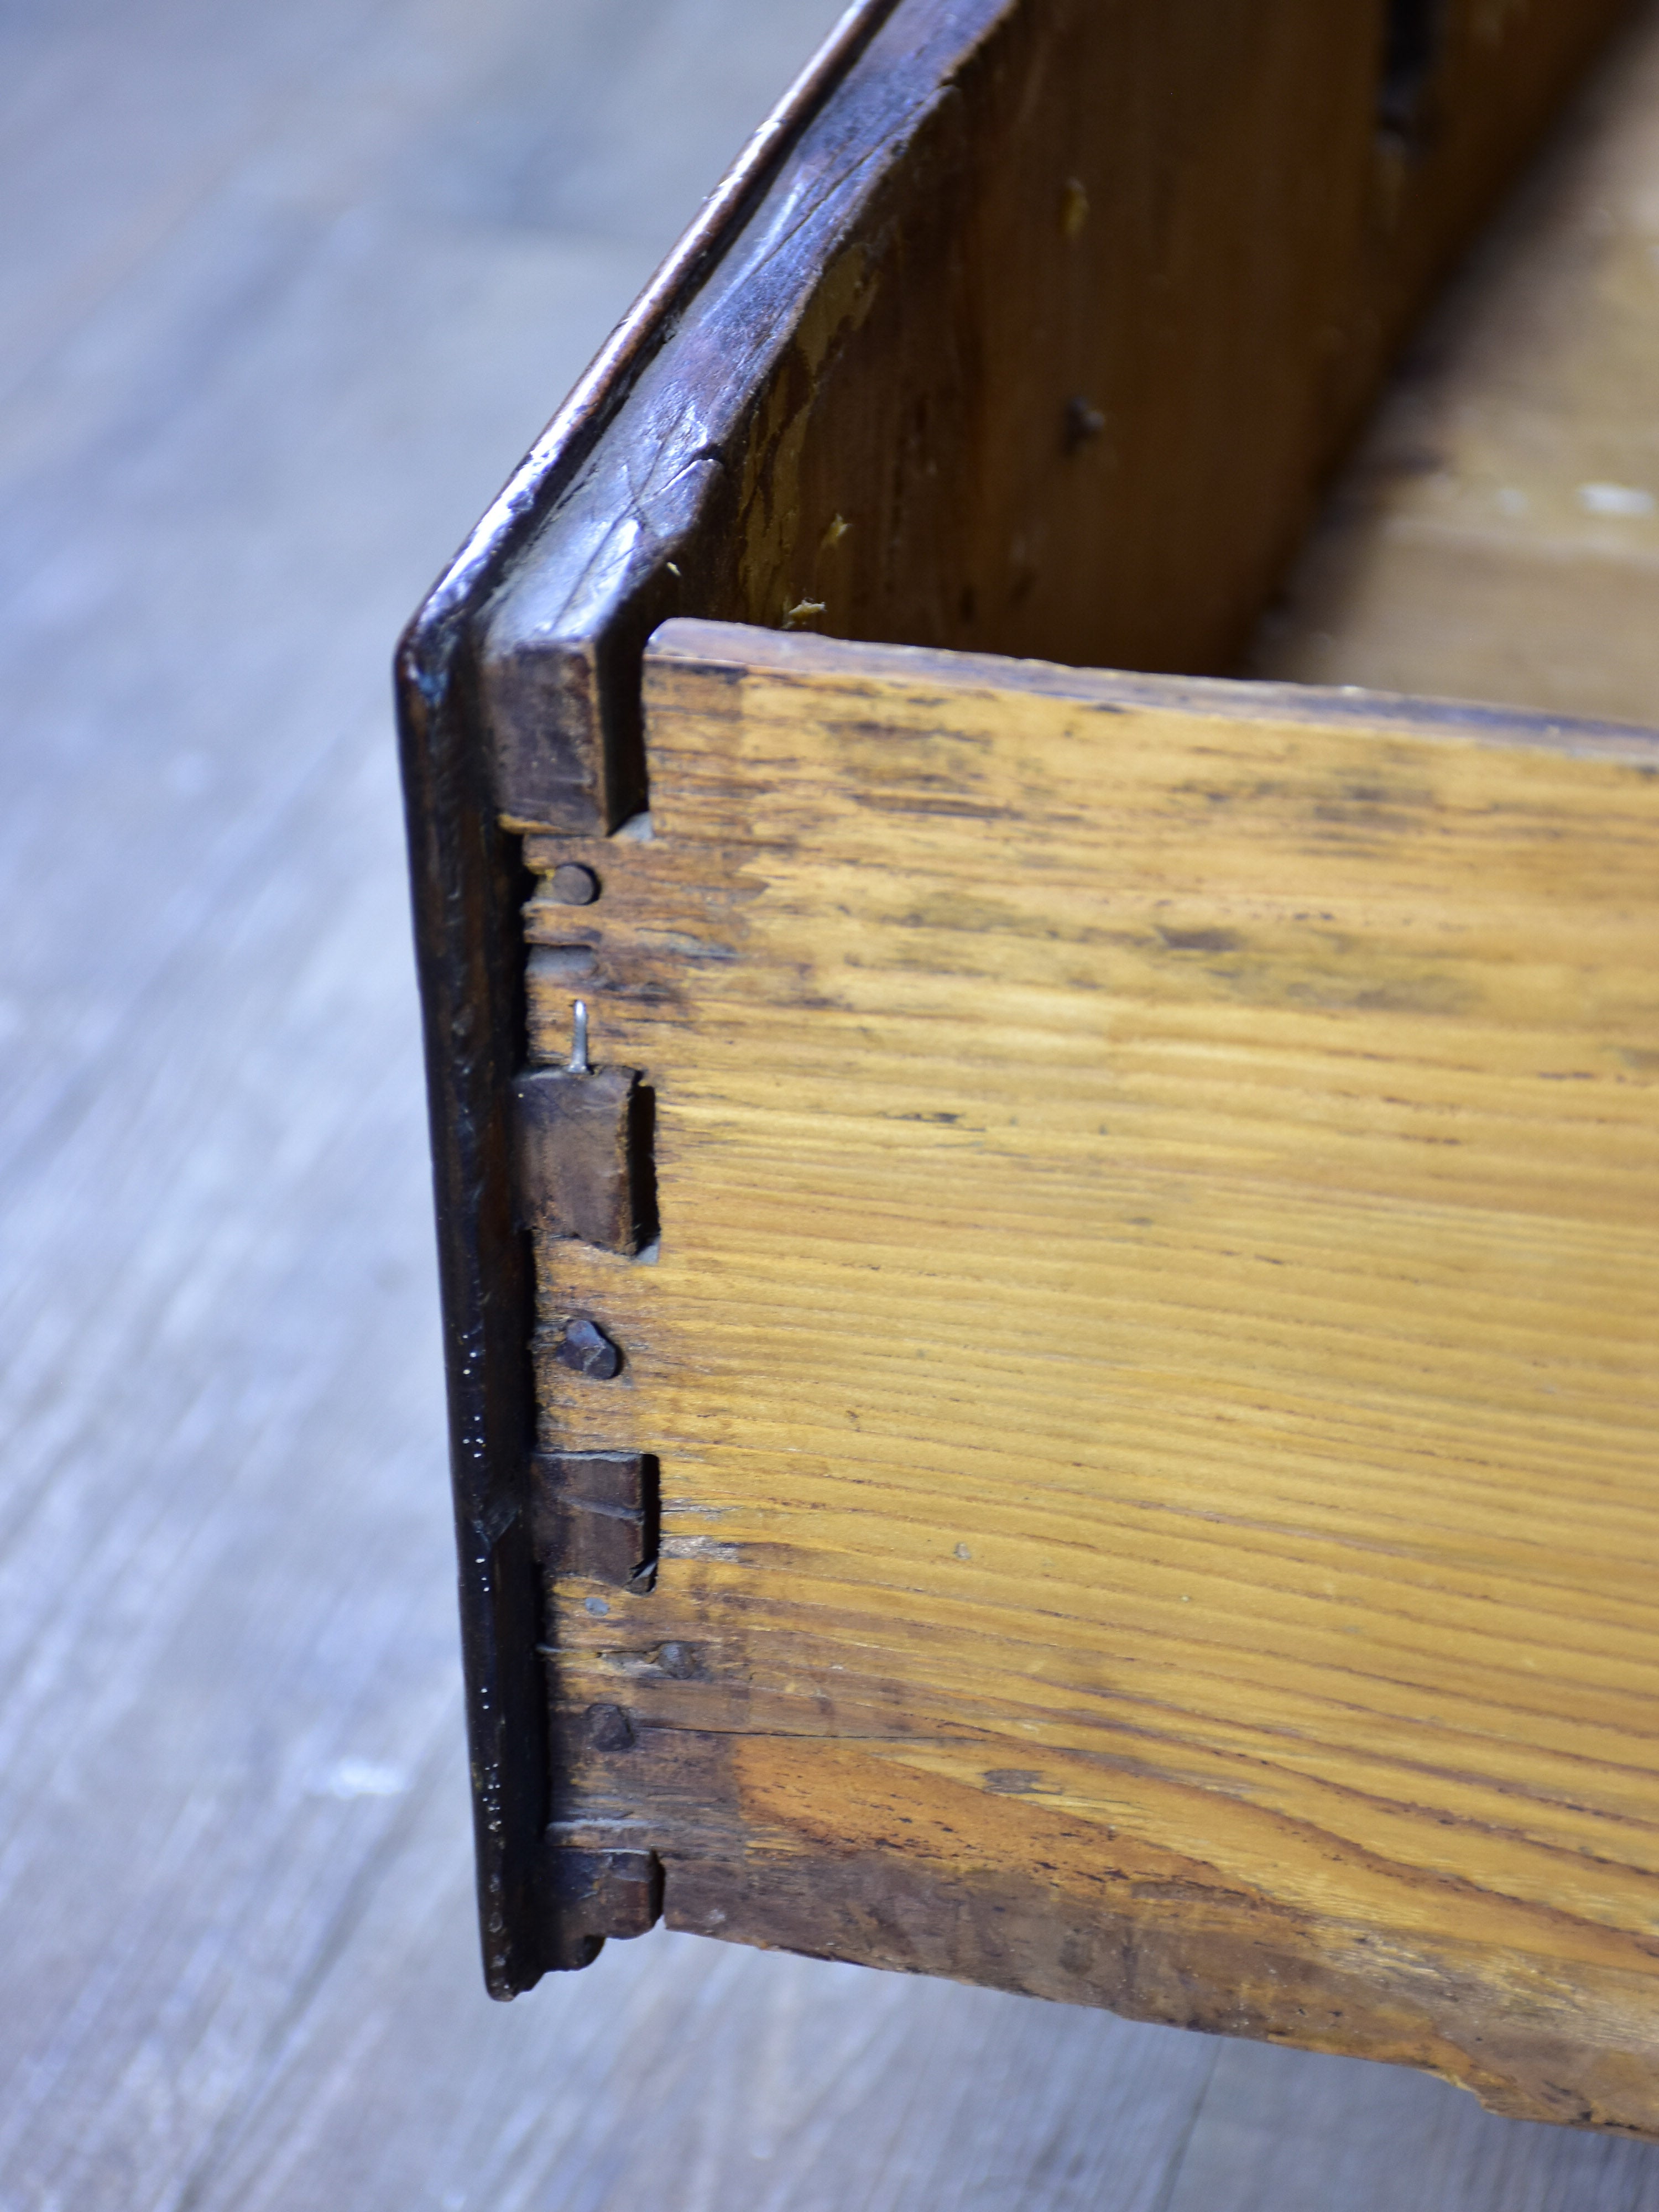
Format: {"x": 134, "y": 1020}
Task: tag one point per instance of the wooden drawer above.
{"x": 1051, "y": 1381}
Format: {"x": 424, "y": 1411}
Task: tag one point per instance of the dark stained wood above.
{"x": 589, "y": 777}
{"x": 1032, "y": 325}
{"x": 597, "y": 1515}
{"x": 584, "y": 1156}
{"x": 290, "y": 288}
{"x": 467, "y": 926}
{"x": 464, "y": 869}
{"x": 593, "y": 1894}
{"x": 1042, "y": 344}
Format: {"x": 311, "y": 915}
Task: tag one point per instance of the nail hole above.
{"x": 574, "y": 885}
{"x": 609, "y": 1729}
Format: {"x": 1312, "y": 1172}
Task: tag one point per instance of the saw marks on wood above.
{"x": 1150, "y": 1351}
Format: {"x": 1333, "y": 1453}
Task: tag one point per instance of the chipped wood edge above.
{"x": 466, "y": 879}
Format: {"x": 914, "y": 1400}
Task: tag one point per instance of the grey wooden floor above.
{"x": 285, "y": 292}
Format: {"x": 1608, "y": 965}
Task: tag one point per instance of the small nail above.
{"x": 588, "y": 1351}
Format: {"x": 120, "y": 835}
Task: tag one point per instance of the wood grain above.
{"x": 1026, "y": 323}
{"x": 1496, "y": 535}
{"x": 1043, "y": 339}
{"x": 239, "y": 1947}
{"x": 1150, "y": 1353}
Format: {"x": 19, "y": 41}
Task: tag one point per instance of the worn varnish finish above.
{"x": 465, "y": 871}
{"x": 1043, "y": 340}
{"x": 228, "y": 1578}
{"x": 1150, "y": 1352}
{"x": 1025, "y": 324}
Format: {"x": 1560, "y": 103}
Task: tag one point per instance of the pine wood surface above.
{"x": 1036, "y": 329}
{"x": 1150, "y": 1349}
{"x": 289, "y": 286}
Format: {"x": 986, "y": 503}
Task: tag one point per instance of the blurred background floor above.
{"x": 285, "y": 292}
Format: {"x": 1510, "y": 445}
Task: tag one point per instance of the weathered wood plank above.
{"x": 1027, "y": 324}
{"x": 1150, "y": 1352}
{"x": 240, "y": 1961}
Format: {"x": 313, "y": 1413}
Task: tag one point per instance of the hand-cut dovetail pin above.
{"x": 583, "y": 1149}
